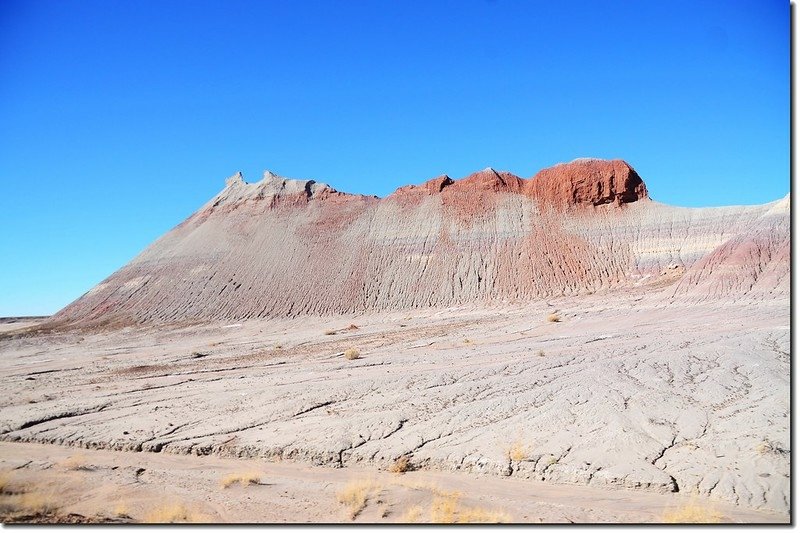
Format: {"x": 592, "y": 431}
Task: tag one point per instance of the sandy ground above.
{"x": 109, "y": 486}
{"x": 620, "y": 410}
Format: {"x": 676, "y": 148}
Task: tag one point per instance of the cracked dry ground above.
{"x": 631, "y": 393}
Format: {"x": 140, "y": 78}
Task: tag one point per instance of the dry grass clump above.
{"x": 355, "y": 494}
{"x": 352, "y": 327}
{"x": 249, "y": 478}
{"x": 553, "y": 317}
{"x": 5, "y": 482}
{"x": 517, "y": 452}
{"x": 351, "y": 353}
{"x": 411, "y": 515}
{"x": 173, "y": 514}
{"x": 330, "y": 332}
{"x": 401, "y": 464}
{"x": 692, "y": 513}
{"x": 76, "y": 462}
{"x": 37, "y": 503}
{"x": 541, "y": 353}
{"x": 446, "y": 510}
{"x": 766, "y": 447}
{"x": 121, "y": 510}
{"x": 477, "y": 515}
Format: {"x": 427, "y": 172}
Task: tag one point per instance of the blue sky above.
{"x": 119, "y": 119}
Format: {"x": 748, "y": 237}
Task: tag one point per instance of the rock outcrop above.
{"x": 587, "y": 182}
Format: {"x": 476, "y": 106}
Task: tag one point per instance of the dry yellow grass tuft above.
{"x": 445, "y": 509}
{"x": 37, "y": 503}
{"x": 692, "y": 513}
{"x": 412, "y": 515}
{"x": 121, "y": 510}
{"x": 476, "y": 515}
{"x": 173, "y": 514}
{"x": 517, "y": 451}
{"x": 351, "y": 353}
{"x": 401, "y": 464}
{"x": 249, "y": 478}
{"x": 766, "y": 447}
{"x": 553, "y": 317}
{"x": 76, "y": 462}
{"x": 355, "y": 494}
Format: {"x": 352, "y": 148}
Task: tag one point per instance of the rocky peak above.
{"x": 587, "y": 182}
{"x": 490, "y": 180}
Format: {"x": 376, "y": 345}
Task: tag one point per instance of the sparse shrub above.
{"x": 467, "y": 341}
{"x": 352, "y": 327}
{"x": 692, "y": 513}
{"x": 250, "y": 478}
{"x": 553, "y": 317}
{"x": 517, "y": 452}
{"x": 351, "y": 353}
{"x": 541, "y": 353}
{"x": 278, "y": 347}
{"x": 330, "y": 332}
{"x": 173, "y": 514}
{"x": 401, "y": 464}
{"x": 355, "y": 494}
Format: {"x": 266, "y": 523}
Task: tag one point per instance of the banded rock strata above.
{"x": 284, "y": 247}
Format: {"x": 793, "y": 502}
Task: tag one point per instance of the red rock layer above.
{"x": 589, "y": 182}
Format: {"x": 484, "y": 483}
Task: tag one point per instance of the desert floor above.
{"x": 623, "y": 410}
{"x": 54, "y": 483}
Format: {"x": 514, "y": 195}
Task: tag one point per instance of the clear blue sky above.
{"x": 118, "y": 119}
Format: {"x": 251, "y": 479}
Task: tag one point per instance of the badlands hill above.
{"x": 283, "y": 248}
{"x": 565, "y": 329}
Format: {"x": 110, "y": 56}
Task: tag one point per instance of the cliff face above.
{"x": 284, "y": 247}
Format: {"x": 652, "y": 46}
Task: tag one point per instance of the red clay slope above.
{"x": 284, "y": 247}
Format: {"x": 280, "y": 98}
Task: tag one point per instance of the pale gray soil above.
{"x": 626, "y": 392}
{"x": 106, "y": 486}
